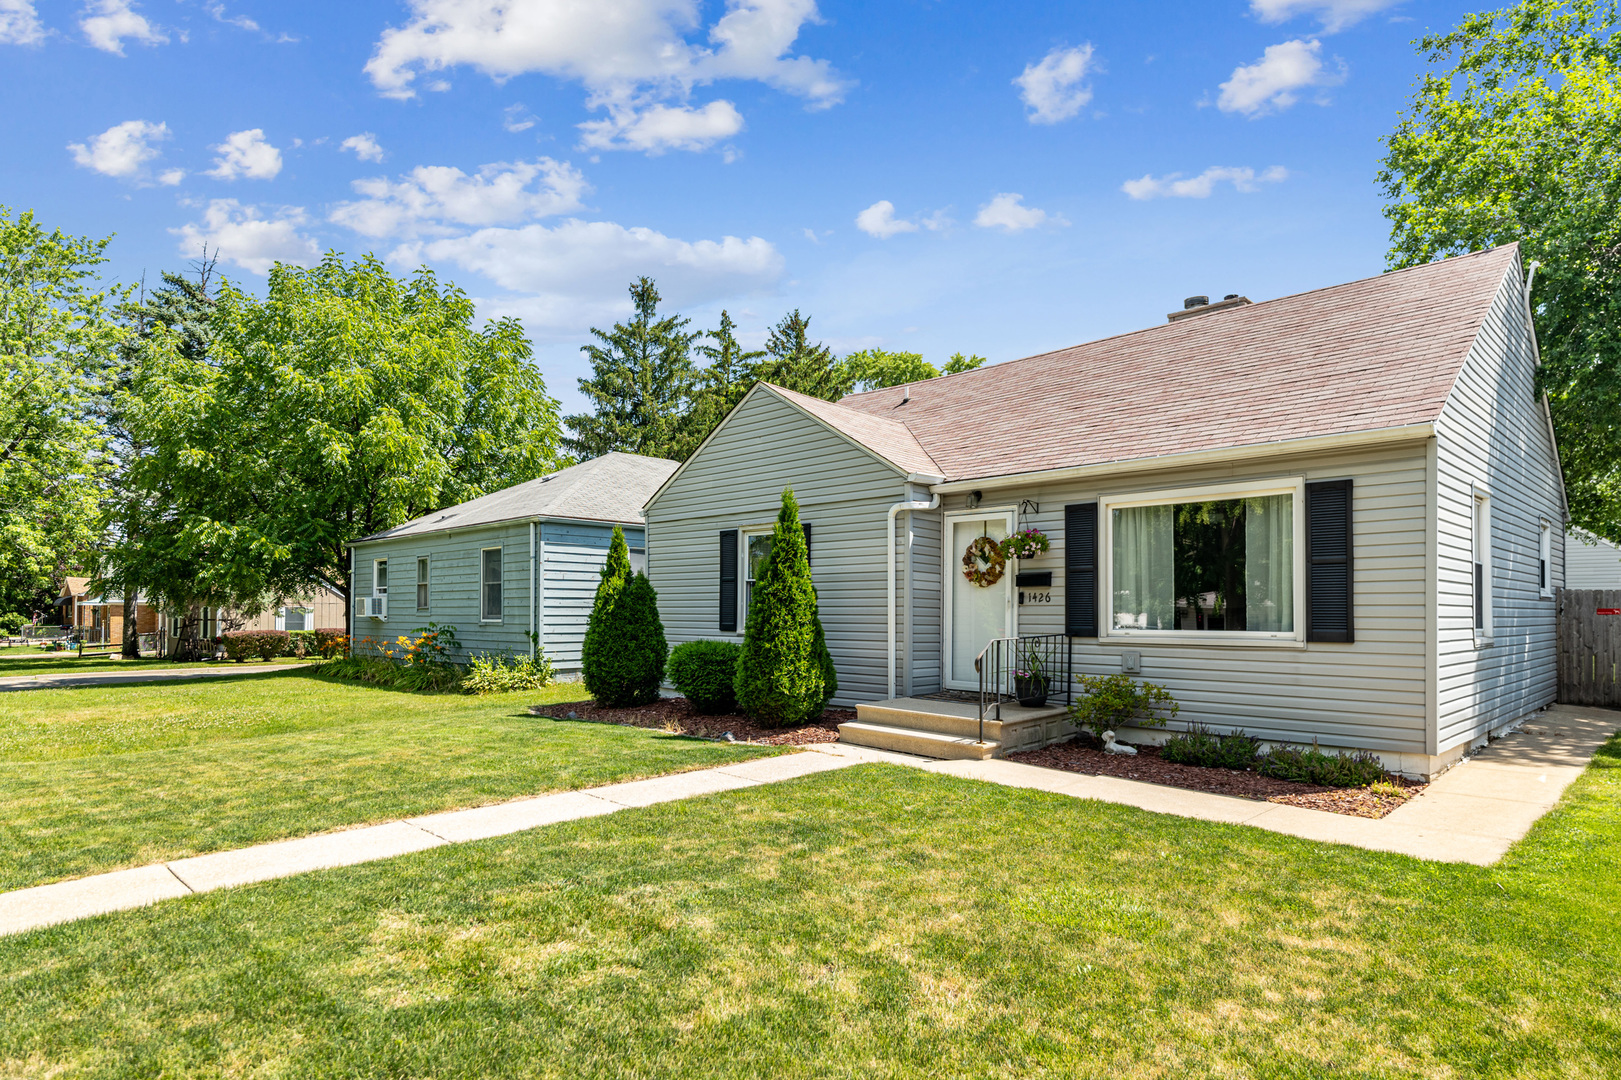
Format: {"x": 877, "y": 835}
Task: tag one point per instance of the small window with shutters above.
{"x": 743, "y": 556}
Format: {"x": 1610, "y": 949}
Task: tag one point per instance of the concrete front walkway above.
{"x": 1471, "y": 814}
{"x": 137, "y": 675}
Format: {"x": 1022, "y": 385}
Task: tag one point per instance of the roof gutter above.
{"x": 497, "y": 524}
{"x": 1285, "y": 448}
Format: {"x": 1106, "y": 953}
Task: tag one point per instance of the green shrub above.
{"x": 265, "y": 644}
{"x": 494, "y": 674}
{"x": 1200, "y": 745}
{"x": 785, "y": 674}
{"x": 300, "y": 642}
{"x": 1312, "y": 766}
{"x": 372, "y": 670}
{"x": 705, "y": 673}
{"x": 622, "y": 657}
{"x": 331, "y": 643}
{"x": 11, "y": 625}
{"x": 1111, "y": 702}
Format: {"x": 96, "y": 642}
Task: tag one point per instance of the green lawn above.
{"x": 873, "y": 922}
{"x": 30, "y": 661}
{"x": 97, "y": 778}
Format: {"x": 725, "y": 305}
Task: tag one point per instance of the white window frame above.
{"x": 1480, "y": 562}
{"x": 743, "y": 579}
{"x": 377, "y": 590}
{"x": 1295, "y": 639}
{"x": 483, "y": 611}
{"x": 1545, "y": 553}
{"x": 424, "y": 569}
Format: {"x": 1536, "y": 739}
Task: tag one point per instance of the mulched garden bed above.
{"x": 1078, "y": 755}
{"x": 677, "y": 716}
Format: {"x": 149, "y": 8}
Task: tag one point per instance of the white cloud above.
{"x": 573, "y": 275}
{"x": 123, "y": 150}
{"x": 19, "y": 23}
{"x": 241, "y": 22}
{"x": 1007, "y": 211}
{"x": 879, "y": 220}
{"x": 658, "y": 128}
{"x": 1052, "y": 89}
{"x": 364, "y": 146}
{"x": 516, "y": 118}
{"x": 246, "y": 154}
{"x": 1335, "y": 14}
{"x": 1274, "y": 82}
{"x": 628, "y": 54}
{"x": 171, "y": 177}
{"x": 106, "y": 23}
{"x": 1200, "y": 187}
{"x": 431, "y": 199}
{"x": 251, "y": 240}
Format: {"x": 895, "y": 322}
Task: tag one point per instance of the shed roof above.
{"x": 610, "y": 489}
{"x": 1371, "y": 355}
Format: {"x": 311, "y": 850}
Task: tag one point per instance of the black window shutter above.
{"x": 1081, "y": 569}
{"x": 806, "y": 526}
{"x": 1328, "y": 561}
{"x": 728, "y": 580}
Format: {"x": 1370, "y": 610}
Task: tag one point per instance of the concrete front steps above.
{"x": 951, "y": 729}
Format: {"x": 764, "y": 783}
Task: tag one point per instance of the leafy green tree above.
{"x": 717, "y": 386}
{"x": 793, "y": 362}
{"x": 343, "y": 403}
{"x": 57, "y": 332}
{"x": 622, "y": 656}
{"x": 641, "y": 378}
{"x": 785, "y": 675}
{"x": 873, "y": 369}
{"x": 959, "y": 363}
{"x": 1515, "y": 134}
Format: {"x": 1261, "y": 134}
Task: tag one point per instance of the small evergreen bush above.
{"x": 492, "y": 674}
{"x": 785, "y": 674}
{"x": 265, "y": 644}
{"x": 706, "y": 672}
{"x": 1200, "y": 745}
{"x": 1111, "y": 702}
{"x": 1312, "y": 766}
{"x": 622, "y": 657}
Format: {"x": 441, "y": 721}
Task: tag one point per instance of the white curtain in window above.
{"x": 1144, "y": 558}
{"x": 1269, "y": 560}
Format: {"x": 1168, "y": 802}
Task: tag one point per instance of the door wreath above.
{"x": 983, "y": 562}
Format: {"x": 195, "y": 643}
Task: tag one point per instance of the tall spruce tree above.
{"x": 641, "y": 379}
{"x": 793, "y": 362}
{"x": 720, "y": 384}
{"x": 785, "y": 675}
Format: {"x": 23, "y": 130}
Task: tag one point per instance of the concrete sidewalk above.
{"x": 1471, "y": 814}
{"x": 139, "y": 675}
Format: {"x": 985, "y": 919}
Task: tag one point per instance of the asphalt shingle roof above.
{"x": 611, "y": 489}
{"x": 1378, "y": 353}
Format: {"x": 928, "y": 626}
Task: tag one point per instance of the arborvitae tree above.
{"x": 622, "y": 657}
{"x": 640, "y": 382}
{"x": 796, "y": 364}
{"x": 785, "y": 675}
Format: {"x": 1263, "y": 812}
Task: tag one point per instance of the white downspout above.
{"x": 533, "y": 597}
{"x": 889, "y": 533}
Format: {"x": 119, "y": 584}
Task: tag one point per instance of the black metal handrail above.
{"x": 1004, "y": 660}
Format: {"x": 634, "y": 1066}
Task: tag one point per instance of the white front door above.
{"x": 975, "y": 614}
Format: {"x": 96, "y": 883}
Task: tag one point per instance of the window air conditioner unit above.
{"x": 371, "y": 607}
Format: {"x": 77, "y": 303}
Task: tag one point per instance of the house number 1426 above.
{"x": 1035, "y": 596}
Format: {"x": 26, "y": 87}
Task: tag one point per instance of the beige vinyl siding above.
{"x": 1369, "y": 694}
{"x": 736, "y": 481}
{"x": 1493, "y": 434}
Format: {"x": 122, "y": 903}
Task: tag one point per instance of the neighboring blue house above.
{"x": 519, "y": 561}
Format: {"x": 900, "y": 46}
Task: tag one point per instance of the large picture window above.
{"x": 1210, "y": 563}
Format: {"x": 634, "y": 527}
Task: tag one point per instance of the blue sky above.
{"x": 930, "y": 176}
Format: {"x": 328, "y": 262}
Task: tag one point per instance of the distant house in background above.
{"x": 1591, "y": 562}
{"x": 522, "y": 561}
{"x": 99, "y": 618}
{"x": 322, "y": 609}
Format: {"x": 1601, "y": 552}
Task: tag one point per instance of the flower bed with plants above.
{"x": 678, "y": 716}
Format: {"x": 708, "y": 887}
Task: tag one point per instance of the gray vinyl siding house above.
{"x": 522, "y": 561}
{"x": 1412, "y": 393}
{"x": 1591, "y": 562}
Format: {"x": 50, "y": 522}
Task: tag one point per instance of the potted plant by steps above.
{"x": 1030, "y": 679}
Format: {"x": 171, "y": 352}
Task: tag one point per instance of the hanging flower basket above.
{"x": 983, "y": 562}
{"x": 1025, "y": 544}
